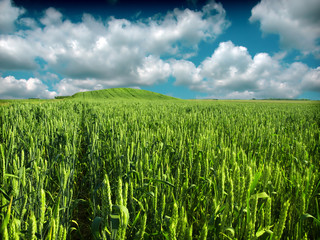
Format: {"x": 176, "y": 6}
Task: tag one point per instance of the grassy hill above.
{"x": 121, "y": 93}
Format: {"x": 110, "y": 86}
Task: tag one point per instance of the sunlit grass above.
{"x": 169, "y": 169}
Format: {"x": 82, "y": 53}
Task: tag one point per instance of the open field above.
{"x": 32, "y": 101}
{"x": 173, "y": 169}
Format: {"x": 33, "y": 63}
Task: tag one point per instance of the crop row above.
{"x": 159, "y": 170}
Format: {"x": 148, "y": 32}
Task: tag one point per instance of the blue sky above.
{"x": 187, "y": 49}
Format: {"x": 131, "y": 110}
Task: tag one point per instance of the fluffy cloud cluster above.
{"x": 93, "y": 44}
{"x": 92, "y": 54}
{"x": 8, "y": 16}
{"x": 297, "y": 22}
{"x": 231, "y": 72}
{"x": 117, "y": 52}
{"x": 22, "y": 88}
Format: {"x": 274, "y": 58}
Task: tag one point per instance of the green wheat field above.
{"x": 131, "y": 164}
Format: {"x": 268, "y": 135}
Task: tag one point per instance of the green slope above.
{"x": 121, "y": 93}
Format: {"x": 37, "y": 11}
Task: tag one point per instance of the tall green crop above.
{"x": 177, "y": 169}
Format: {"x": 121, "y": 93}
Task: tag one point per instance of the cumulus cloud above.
{"x": 227, "y": 61}
{"x": 93, "y": 54}
{"x": 231, "y": 72}
{"x": 16, "y": 53}
{"x": 186, "y": 28}
{"x": 51, "y": 17}
{"x": 22, "y": 88}
{"x": 68, "y": 87}
{"x": 311, "y": 80}
{"x": 186, "y": 73}
{"x": 95, "y": 49}
{"x": 27, "y": 22}
{"x": 116, "y": 53}
{"x": 8, "y": 15}
{"x": 297, "y": 22}
{"x": 153, "y": 70}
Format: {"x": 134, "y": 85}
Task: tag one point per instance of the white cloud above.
{"x": 22, "y": 88}
{"x": 16, "y": 53}
{"x": 153, "y": 70}
{"x": 187, "y": 28}
{"x": 115, "y": 49}
{"x": 92, "y": 54}
{"x": 51, "y": 17}
{"x": 227, "y": 60}
{"x": 117, "y": 52}
{"x": 28, "y": 22}
{"x": 186, "y": 73}
{"x": 231, "y": 72}
{"x": 8, "y": 15}
{"x": 311, "y": 80}
{"x": 240, "y": 95}
{"x": 68, "y": 87}
{"x": 297, "y": 22}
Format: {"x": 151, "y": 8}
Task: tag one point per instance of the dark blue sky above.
{"x": 188, "y": 48}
